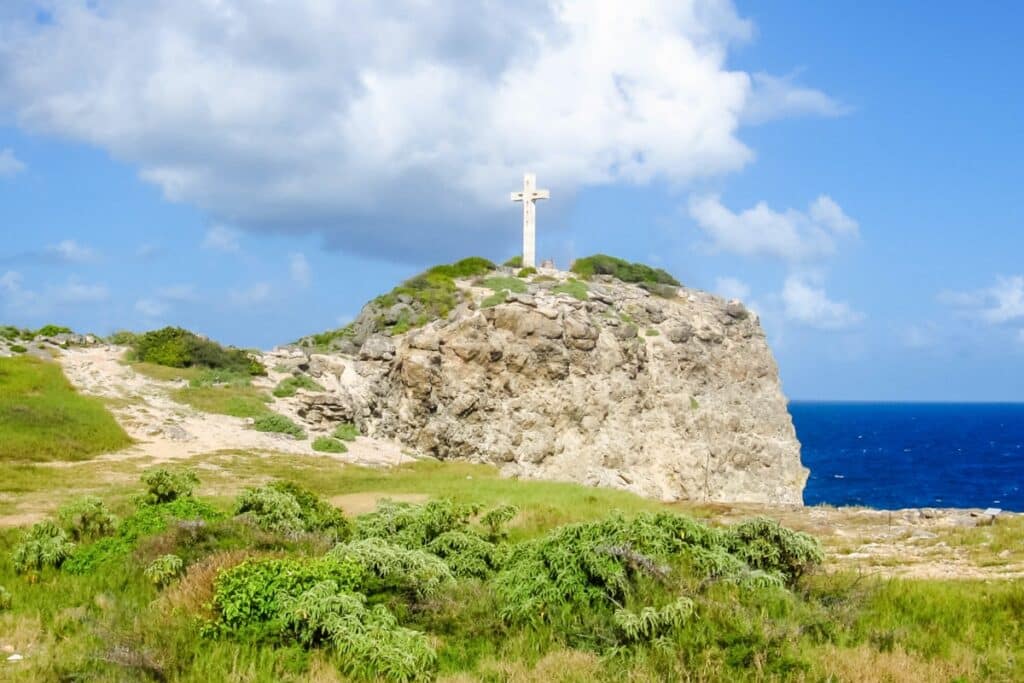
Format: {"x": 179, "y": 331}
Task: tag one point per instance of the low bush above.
{"x": 164, "y": 569}
{"x": 514, "y": 262}
{"x": 52, "y": 331}
{"x": 574, "y": 288}
{"x": 495, "y": 299}
{"x": 511, "y": 284}
{"x": 122, "y": 338}
{"x": 602, "y": 264}
{"x": 164, "y": 486}
{"x": 278, "y": 424}
{"x": 388, "y": 566}
{"x": 179, "y": 348}
{"x": 466, "y": 554}
{"x": 17, "y": 348}
{"x": 289, "y": 509}
{"x": 651, "y": 623}
{"x": 87, "y": 518}
{"x": 327, "y": 444}
{"x": 6, "y": 601}
{"x": 45, "y": 545}
{"x": 414, "y": 526}
{"x": 526, "y": 272}
{"x": 346, "y": 432}
{"x": 496, "y": 518}
{"x": 220, "y": 377}
{"x": 288, "y": 386}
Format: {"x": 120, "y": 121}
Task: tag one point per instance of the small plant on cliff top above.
{"x": 601, "y": 264}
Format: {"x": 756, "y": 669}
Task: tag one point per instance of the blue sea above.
{"x": 897, "y": 455}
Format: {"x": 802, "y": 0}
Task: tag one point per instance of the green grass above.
{"x": 602, "y": 264}
{"x": 328, "y": 444}
{"x": 511, "y": 284}
{"x": 236, "y": 401}
{"x": 652, "y": 332}
{"x": 290, "y": 385}
{"x": 574, "y": 288}
{"x": 43, "y": 418}
{"x": 111, "y": 625}
{"x": 495, "y": 299}
{"x": 346, "y": 432}
{"x": 278, "y": 424}
{"x": 164, "y": 373}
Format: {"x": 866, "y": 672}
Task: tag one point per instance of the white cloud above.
{"x": 790, "y": 235}
{"x": 732, "y": 288}
{"x": 178, "y": 293}
{"x": 918, "y": 337}
{"x": 393, "y": 127}
{"x": 807, "y": 303}
{"x": 298, "y": 266}
{"x": 150, "y": 308}
{"x": 10, "y": 165}
{"x": 221, "y": 238}
{"x": 71, "y": 251}
{"x": 776, "y": 97}
{"x": 1000, "y": 304}
{"x": 10, "y": 281}
{"x": 250, "y": 296}
{"x": 74, "y": 292}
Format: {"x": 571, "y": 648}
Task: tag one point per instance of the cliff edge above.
{"x": 665, "y": 391}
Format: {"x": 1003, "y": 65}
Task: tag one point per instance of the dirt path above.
{"x": 166, "y": 430}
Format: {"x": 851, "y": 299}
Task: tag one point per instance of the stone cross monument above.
{"x": 527, "y": 197}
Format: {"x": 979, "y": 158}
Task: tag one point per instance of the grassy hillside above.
{"x": 42, "y": 417}
{"x": 269, "y": 583}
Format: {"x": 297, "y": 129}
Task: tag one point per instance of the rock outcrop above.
{"x": 672, "y": 396}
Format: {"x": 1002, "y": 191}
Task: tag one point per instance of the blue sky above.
{"x": 851, "y": 170}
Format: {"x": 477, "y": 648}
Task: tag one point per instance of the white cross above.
{"x": 527, "y": 197}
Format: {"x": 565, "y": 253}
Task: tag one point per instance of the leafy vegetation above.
{"x": 179, "y": 348}
{"x": 424, "y": 591}
{"x": 526, "y": 272}
{"x": 430, "y": 295}
{"x": 495, "y": 299}
{"x": 514, "y": 262}
{"x": 6, "y": 601}
{"x": 602, "y": 264}
{"x": 18, "y": 348}
{"x": 574, "y": 288}
{"x": 45, "y": 545}
{"x": 288, "y": 386}
{"x": 86, "y": 518}
{"x": 52, "y": 330}
{"x": 346, "y": 431}
{"x": 164, "y": 486}
{"x": 42, "y": 417}
{"x": 279, "y": 424}
{"x": 164, "y": 569}
{"x": 328, "y": 444}
{"x": 510, "y": 284}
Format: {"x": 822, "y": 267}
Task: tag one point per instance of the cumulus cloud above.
{"x": 1000, "y": 304}
{"x": 392, "y": 127}
{"x": 299, "y": 268}
{"x": 10, "y": 165}
{"x": 70, "y": 251}
{"x": 75, "y": 292}
{"x": 221, "y": 238}
{"x": 776, "y": 97}
{"x": 806, "y": 302}
{"x": 789, "y": 235}
{"x": 732, "y": 288}
{"x": 250, "y": 296}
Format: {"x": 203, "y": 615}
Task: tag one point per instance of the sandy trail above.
{"x": 165, "y": 430}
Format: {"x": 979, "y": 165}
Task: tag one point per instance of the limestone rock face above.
{"x": 672, "y": 397}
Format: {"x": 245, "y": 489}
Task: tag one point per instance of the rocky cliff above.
{"x": 671, "y": 393}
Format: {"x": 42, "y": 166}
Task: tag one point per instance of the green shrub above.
{"x": 288, "y": 386}
{"x": 289, "y": 509}
{"x": 148, "y": 519}
{"x": 494, "y": 299}
{"x": 388, "y": 566}
{"x": 346, "y": 432}
{"x": 602, "y": 264}
{"x": 17, "y": 348}
{"x": 574, "y": 288}
{"x": 466, "y": 554}
{"x": 248, "y": 598}
{"x": 650, "y": 623}
{"x": 272, "y": 510}
{"x": 5, "y": 599}
{"x": 122, "y": 338}
{"x": 164, "y": 486}
{"x": 514, "y": 262}
{"x": 496, "y": 519}
{"x": 45, "y": 545}
{"x": 414, "y": 526}
{"x": 279, "y": 424}
{"x": 511, "y": 284}
{"x": 368, "y": 642}
{"x": 178, "y": 348}
{"x": 87, "y": 518}
{"x": 327, "y": 444}
{"x": 52, "y": 331}
{"x": 765, "y": 544}
{"x": 10, "y": 332}
{"x": 526, "y": 272}
{"x": 164, "y": 569}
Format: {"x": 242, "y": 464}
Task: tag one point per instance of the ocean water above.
{"x": 897, "y": 455}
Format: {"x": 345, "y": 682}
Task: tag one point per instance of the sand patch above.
{"x": 366, "y": 501}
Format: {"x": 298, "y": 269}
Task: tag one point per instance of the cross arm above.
{"x": 542, "y": 194}
{"x": 517, "y": 196}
